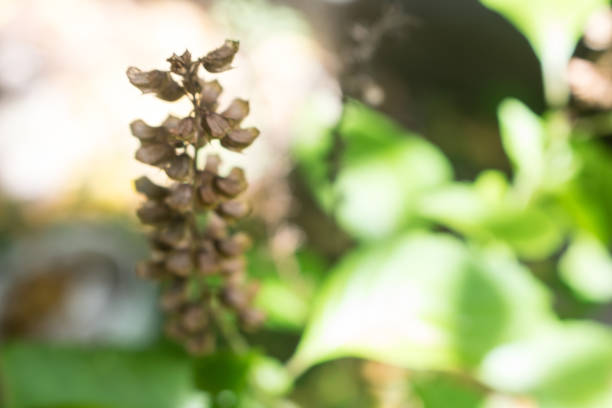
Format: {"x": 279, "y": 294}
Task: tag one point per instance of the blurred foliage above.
{"x": 425, "y": 300}
{"x": 37, "y": 376}
{"x": 553, "y": 28}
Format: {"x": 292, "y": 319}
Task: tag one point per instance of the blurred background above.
{"x": 431, "y": 193}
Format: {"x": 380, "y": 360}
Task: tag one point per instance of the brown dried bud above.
{"x": 234, "y": 297}
{"x": 176, "y": 234}
{"x": 207, "y": 195}
{"x": 210, "y": 94}
{"x": 251, "y": 319}
{"x": 180, "y": 65}
{"x": 234, "y": 245}
{"x": 194, "y": 318}
{"x": 158, "y": 82}
{"x": 237, "y": 111}
{"x": 184, "y": 130}
{"x": 233, "y": 266}
{"x": 181, "y": 198}
{"x": 212, "y": 163}
{"x": 238, "y": 139}
{"x": 174, "y": 297}
{"x": 150, "y": 270}
{"x": 146, "y": 133}
{"x": 154, "y": 154}
{"x": 219, "y": 60}
{"x": 153, "y": 212}
{"x": 180, "y": 167}
{"x": 151, "y": 190}
{"x": 207, "y": 263}
{"x": 232, "y": 185}
{"x": 233, "y": 210}
{"x": 201, "y": 344}
{"x": 216, "y": 125}
{"x": 179, "y": 263}
{"x": 216, "y": 227}
{"x": 171, "y": 123}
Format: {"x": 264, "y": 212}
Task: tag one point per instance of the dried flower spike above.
{"x": 184, "y": 255}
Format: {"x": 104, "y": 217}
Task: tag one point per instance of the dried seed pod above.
{"x": 232, "y": 185}
{"x": 151, "y": 190}
{"x": 208, "y": 197}
{"x": 153, "y": 212}
{"x": 216, "y": 228}
{"x": 216, "y": 125}
{"x": 146, "y": 133}
{"x": 232, "y": 266}
{"x": 236, "y": 111}
{"x": 207, "y": 263}
{"x": 150, "y": 270}
{"x": 158, "y": 82}
{"x": 180, "y": 65}
{"x": 184, "y": 130}
{"x": 194, "y": 318}
{"x": 179, "y": 263}
{"x": 239, "y": 139}
{"x": 154, "y": 154}
{"x": 210, "y": 94}
{"x": 181, "y": 198}
{"x": 174, "y": 296}
{"x": 233, "y": 210}
{"x": 234, "y": 245}
{"x": 251, "y": 319}
{"x": 220, "y": 60}
{"x": 212, "y": 163}
{"x": 234, "y": 297}
{"x": 176, "y": 234}
{"x": 180, "y": 168}
{"x": 171, "y": 123}
{"x": 201, "y": 344}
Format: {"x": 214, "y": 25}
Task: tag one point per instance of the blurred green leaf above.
{"x": 270, "y": 376}
{"x": 37, "y": 376}
{"x": 586, "y": 267}
{"x": 532, "y": 232}
{"x": 443, "y": 391}
{"x": 563, "y": 366}
{"x": 483, "y": 214}
{"x": 422, "y": 301}
{"x": 284, "y": 297}
{"x": 223, "y": 371}
{"x": 284, "y": 305}
{"x": 553, "y": 28}
{"x": 381, "y": 169}
{"x": 523, "y": 140}
{"x": 588, "y": 197}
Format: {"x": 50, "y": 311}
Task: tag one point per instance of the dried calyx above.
{"x": 196, "y": 254}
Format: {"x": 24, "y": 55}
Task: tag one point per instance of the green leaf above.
{"x": 532, "y": 232}
{"x": 485, "y": 214}
{"x": 285, "y": 297}
{"x": 422, "y": 301}
{"x": 588, "y": 197}
{"x": 523, "y": 140}
{"x": 563, "y": 366}
{"x": 37, "y": 376}
{"x": 586, "y": 267}
{"x": 283, "y": 304}
{"x": 443, "y": 391}
{"x": 553, "y": 28}
{"x": 381, "y": 170}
